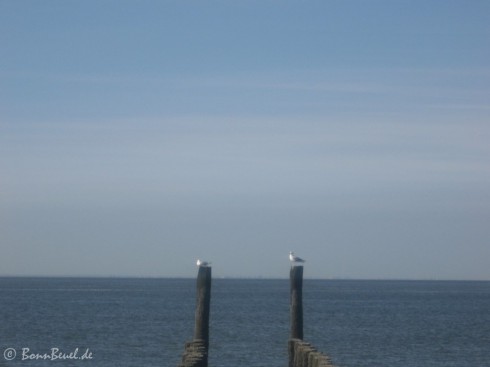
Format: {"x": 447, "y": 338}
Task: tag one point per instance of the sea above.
{"x": 145, "y": 322}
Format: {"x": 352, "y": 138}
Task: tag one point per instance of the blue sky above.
{"x": 137, "y": 136}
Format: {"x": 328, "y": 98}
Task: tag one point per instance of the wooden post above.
{"x": 203, "y": 285}
{"x": 196, "y": 352}
{"x": 296, "y": 278}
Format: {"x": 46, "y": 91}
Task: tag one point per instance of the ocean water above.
{"x": 145, "y": 322}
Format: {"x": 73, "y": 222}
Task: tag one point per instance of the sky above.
{"x": 138, "y": 136}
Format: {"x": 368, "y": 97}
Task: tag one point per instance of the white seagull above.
{"x": 295, "y": 259}
{"x": 202, "y": 263}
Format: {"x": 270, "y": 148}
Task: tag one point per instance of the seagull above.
{"x": 204, "y": 264}
{"x": 295, "y": 259}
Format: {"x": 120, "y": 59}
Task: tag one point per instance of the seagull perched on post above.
{"x": 295, "y": 259}
{"x": 202, "y": 263}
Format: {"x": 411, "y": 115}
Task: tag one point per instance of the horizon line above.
{"x": 241, "y": 278}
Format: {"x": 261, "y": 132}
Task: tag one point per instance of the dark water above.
{"x": 145, "y": 322}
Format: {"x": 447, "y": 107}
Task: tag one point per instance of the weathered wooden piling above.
{"x": 301, "y": 353}
{"x": 195, "y": 355}
{"x": 196, "y": 352}
{"x": 203, "y": 295}
{"x": 296, "y": 307}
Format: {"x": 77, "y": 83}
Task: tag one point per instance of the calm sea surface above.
{"x": 145, "y": 322}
